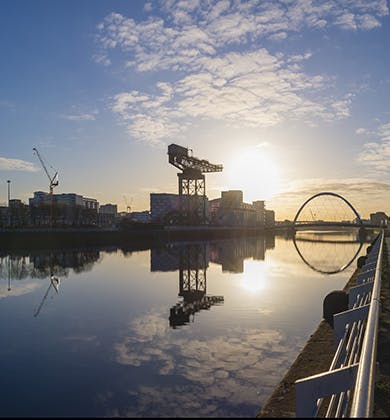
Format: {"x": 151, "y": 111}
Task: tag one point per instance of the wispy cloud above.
{"x": 215, "y": 72}
{"x": 7, "y": 164}
{"x": 80, "y": 116}
{"x": 376, "y": 154}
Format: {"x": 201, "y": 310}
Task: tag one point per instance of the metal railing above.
{"x": 347, "y": 388}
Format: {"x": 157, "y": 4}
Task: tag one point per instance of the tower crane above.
{"x": 128, "y": 207}
{"x": 192, "y": 183}
{"x": 53, "y": 182}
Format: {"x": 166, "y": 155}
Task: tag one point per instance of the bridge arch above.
{"x": 333, "y": 195}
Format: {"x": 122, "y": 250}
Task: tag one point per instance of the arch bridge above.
{"x": 357, "y": 222}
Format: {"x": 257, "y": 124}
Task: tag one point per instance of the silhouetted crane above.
{"x": 192, "y": 183}
{"x": 128, "y": 207}
{"x": 53, "y": 182}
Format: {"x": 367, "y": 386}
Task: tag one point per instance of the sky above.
{"x": 291, "y": 97}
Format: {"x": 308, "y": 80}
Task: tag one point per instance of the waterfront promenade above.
{"x": 317, "y": 355}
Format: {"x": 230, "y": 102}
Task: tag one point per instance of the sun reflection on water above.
{"x": 254, "y": 277}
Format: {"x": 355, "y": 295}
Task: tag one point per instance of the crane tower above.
{"x": 192, "y": 181}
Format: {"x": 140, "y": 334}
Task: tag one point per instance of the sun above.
{"x": 254, "y": 172}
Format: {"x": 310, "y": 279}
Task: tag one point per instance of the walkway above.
{"x": 382, "y": 389}
{"x": 317, "y": 355}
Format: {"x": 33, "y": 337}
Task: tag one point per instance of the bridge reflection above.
{"x": 329, "y": 252}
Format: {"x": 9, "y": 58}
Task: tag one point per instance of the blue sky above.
{"x": 292, "y": 97}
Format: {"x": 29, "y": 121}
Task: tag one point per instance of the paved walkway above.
{"x": 317, "y": 356}
{"x": 382, "y": 388}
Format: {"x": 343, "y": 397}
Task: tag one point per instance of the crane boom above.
{"x": 53, "y": 183}
{"x": 179, "y": 156}
{"x": 53, "y": 180}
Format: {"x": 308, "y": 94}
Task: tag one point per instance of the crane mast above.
{"x": 53, "y": 182}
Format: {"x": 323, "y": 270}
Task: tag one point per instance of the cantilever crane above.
{"x": 192, "y": 183}
{"x": 53, "y": 182}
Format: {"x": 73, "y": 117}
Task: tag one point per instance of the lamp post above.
{"x": 8, "y": 182}
{"x": 9, "y": 210}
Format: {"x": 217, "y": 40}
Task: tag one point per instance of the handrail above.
{"x": 363, "y": 399}
{"x": 350, "y": 380}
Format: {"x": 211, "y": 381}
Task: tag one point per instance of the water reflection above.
{"x": 55, "y": 284}
{"x": 329, "y": 252}
{"x": 50, "y": 264}
{"x": 130, "y": 351}
{"x": 45, "y": 264}
{"x": 191, "y": 260}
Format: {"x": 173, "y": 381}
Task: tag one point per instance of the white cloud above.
{"x": 7, "y": 164}
{"x": 207, "y": 49}
{"x": 253, "y": 89}
{"x": 224, "y": 367}
{"x": 148, "y": 7}
{"x": 376, "y": 154}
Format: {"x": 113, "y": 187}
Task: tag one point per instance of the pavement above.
{"x": 318, "y": 353}
{"x": 382, "y": 386}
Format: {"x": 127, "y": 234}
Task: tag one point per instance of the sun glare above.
{"x": 254, "y": 278}
{"x": 255, "y": 173}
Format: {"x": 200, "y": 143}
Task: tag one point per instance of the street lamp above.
{"x": 8, "y": 182}
{"x": 9, "y": 210}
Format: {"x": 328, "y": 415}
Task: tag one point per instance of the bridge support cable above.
{"x": 347, "y": 388}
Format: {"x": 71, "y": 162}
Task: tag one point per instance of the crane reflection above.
{"x": 191, "y": 260}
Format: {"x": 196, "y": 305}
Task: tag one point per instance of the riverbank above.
{"x": 318, "y": 353}
{"x": 59, "y": 238}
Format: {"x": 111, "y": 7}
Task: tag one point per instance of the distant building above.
{"x": 108, "y": 214}
{"x": 68, "y": 209}
{"x": 379, "y": 219}
{"x": 4, "y": 216}
{"x": 19, "y": 213}
{"x": 141, "y": 216}
{"x": 171, "y": 208}
{"x": 230, "y": 210}
{"x": 164, "y": 206}
{"x": 269, "y": 218}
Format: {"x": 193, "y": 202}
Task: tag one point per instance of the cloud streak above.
{"x": 7, "y": 164}
{"x": 376, "y": 154}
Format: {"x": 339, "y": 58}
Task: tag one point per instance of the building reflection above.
{"x": 191, "y": 260}
{"x": 329, "y": 252}
{"x": 48, "y": 263}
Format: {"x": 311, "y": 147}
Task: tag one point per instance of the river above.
{"x": 196, "y": 329}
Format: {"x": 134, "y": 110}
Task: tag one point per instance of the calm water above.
{"x": 198, "y": 329}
